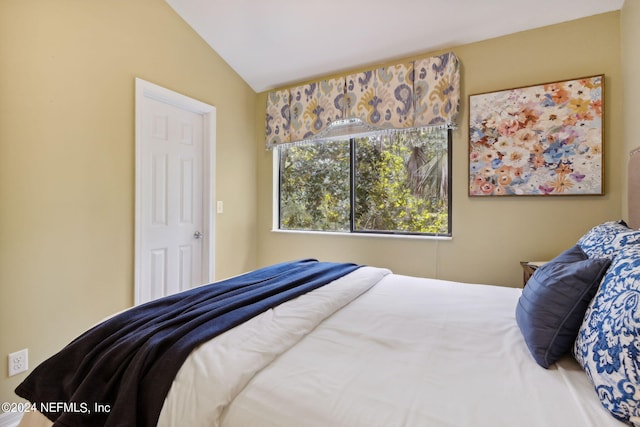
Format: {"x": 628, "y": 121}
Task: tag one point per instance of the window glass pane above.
{"x": 401, "y": 183}
{"x": 314, "y": 187}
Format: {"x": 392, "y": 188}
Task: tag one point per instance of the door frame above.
{"x": 145, "y": 89}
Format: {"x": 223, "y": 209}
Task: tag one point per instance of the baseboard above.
{"x": 10, "y": 419}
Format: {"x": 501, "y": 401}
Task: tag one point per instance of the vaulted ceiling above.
{"x": 272, "y": 43}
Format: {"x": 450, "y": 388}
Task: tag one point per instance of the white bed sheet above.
{"x": 378, "y": 349}
{"x": 418, "y": 352}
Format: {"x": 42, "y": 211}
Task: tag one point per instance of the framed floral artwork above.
{"x": 542, "y": 140}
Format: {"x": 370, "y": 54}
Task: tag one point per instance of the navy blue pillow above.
{"x": 554, "y": 301}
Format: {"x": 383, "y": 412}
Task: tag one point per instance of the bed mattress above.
{"x": 380, "y": 349}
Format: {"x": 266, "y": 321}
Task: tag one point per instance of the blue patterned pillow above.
{"x": 606, "y": 239}
{"x": 608, "y": 343}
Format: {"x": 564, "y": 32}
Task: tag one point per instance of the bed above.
{"x": 374, "y": 348}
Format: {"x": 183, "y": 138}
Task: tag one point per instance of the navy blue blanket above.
{"x": 119, "y": 372}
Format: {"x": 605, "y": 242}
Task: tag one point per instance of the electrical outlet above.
{"x": 220, "y": 207}
{"x": 18, "y": 362}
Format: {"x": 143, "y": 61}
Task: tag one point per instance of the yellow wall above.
{"x": 67, "y": 70}
{"x": 490, "y": 235}
{"x": 630, "y": 38}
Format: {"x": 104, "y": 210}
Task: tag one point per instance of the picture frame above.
{"x": 539, "y": 140}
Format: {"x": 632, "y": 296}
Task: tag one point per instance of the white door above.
{"x": 173, "y": 252}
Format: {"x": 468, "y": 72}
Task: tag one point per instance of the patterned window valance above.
{"x": 422, "y": 93}
{"x": 315, "y": 106}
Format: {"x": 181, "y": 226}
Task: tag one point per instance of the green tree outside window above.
{"x": 396, "y": 184}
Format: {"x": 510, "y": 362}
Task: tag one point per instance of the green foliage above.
{"x": 400, "y": 185}
{"x": 314, "y": 187}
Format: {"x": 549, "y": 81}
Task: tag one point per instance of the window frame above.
{"x": 276, "y": 204}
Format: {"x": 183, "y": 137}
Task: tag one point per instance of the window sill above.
{"x": 366, "y": 235}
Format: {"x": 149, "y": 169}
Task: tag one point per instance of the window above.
{"x": 397, "y": 184}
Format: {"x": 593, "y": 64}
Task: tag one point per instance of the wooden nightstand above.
{"x": 528, "y": 268}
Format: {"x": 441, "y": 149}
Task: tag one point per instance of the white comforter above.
{"x": 217, "y": 371}
{"x": 378, "y": 349}
{"x": 407, "y": 352}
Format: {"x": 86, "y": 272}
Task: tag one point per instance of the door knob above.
{"x": 197, "y": 235}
